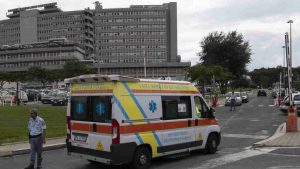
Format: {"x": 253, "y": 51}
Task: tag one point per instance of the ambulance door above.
{"x": 91, "y": 122}
{"x": 178, "y": 134}
{"x": 101, "y": 112}
{"x": 201, "y": 113}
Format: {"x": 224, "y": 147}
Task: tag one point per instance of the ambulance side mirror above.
{"x": 212, "y": 113}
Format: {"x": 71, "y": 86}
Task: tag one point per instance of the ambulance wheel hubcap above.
{"x": 143, "y": 159}
{"x": 214, "y": 143}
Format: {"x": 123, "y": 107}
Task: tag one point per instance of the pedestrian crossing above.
{"x": 233, "y": 157}
{"x": 260, "y": 105}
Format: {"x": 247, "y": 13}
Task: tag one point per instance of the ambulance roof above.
{"x": 92, "y": 78}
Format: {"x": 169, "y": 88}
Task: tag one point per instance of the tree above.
{"x": 4, "y": 76}
{"x": 37, "y": 73}
{"x": 204, "y": 74}
{"x": 230, "y": 51}
{"x": 76, "y": 68}
{"x": 265, "y": 77}
{"x": 56, "y": 75}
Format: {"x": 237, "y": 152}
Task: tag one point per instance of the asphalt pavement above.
{"x": 250, "y": 123}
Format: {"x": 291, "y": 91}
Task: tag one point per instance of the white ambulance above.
{"x": 118, "y": 120}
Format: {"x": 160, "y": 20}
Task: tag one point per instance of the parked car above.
{"x": 33, "y": 95}
{"x": 261, "y": 92}
{"x": 60, "y": 99}
{"x": 238, "y": 98}
{"x": 46, "y": 98}
{"x": 286, "y": 102}
{"x": 10, "y": 95}
{"x": 245, "y": 97}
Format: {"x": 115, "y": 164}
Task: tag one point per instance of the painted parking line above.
{"x": 260, "y": 137}
{"x": 230, "y": 158}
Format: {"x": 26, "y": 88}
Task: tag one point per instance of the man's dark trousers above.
{"x": 36, "y": 145}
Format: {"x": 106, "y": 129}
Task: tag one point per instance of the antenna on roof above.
{"x": 98, "y": 5}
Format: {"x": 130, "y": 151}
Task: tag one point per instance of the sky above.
{"x": 262, "y": 22}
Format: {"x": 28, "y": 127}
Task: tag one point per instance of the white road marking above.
{"x": 260, "y": 105}
{"x": 271, "y": 105}
{"x": 283, "y": 167}
{"x": 245, "y": 136}
{"x": 230, "y": 158}
{"x": 255, "y": 120}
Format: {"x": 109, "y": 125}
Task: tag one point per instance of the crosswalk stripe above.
{"x": 245, "y": 136}
{"x": 230, "y": 158}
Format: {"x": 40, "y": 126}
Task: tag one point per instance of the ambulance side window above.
{"x": 79, "y": 109}
{"x": 101, "y": 108}
{"x": 176, "y": 107}
{"x": 204, "y": 109}
{"x": 91, "y": 108}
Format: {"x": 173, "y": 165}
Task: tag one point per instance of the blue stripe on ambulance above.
{"x": 141, "y": 109}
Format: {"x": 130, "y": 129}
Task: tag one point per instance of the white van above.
{"x": 118, "y": 120}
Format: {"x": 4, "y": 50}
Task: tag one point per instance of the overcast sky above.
{"x": 262, "y": 22}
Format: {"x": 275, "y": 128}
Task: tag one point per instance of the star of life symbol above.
{"x": 152, "y": 106}
{"x": 79, "y": 108}
{"x": 100, "y": 109}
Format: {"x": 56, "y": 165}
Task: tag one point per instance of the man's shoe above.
{"x": 39, "y": 167}
{"x": 31, "y": 166}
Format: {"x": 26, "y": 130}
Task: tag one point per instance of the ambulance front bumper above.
{"x": 119, "y": 153}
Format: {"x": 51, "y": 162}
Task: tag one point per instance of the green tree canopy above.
{"x": 265, "y": 77}
{"x": 230, "y": 51}
{"x": 4, "y": 77}
{"x": 37, "y": 73}
{"x": 76, "y": 68}
{"x": 204, "y": 74}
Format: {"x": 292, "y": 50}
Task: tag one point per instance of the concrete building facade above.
{"x": 44, "y": 22}
{"x": 51, "y": 54}
{"x": 120, "y": 40}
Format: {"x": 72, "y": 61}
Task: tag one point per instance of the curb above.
{"x": 27, "y": 150}
{"x": 45, "y": 148}
{"x": 281, "y": 130}
{"x": 6, "y": 153}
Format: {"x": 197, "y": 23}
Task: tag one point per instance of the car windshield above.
{"x": 237, "y": 94}
{"x": 244, "y": 94}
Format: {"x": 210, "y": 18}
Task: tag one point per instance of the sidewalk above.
{"x": 281, "y": 139}
{"x": 24, "y": 147}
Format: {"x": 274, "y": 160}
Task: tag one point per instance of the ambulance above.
{"x": 119, "y": 120}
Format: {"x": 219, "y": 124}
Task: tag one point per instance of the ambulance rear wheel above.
{"x": 212, "y": 144}
{"x": 141, "y": 159}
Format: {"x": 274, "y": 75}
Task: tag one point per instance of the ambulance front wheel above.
{"x": 212, "y": 144}
{"x": 141, "y": 159}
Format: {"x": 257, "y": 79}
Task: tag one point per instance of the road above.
{"x": 250, "y": 123}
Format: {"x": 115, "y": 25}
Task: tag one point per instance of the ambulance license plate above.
{"x": 80, "y": 137}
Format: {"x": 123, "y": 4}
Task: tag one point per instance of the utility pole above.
{"x": 145, "y": 69}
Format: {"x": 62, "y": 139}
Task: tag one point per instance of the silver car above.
{"x": 238, "y": 98}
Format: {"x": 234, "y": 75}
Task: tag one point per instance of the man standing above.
{"x": 37, "y": 132}
{"x": 232, "y": 101}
